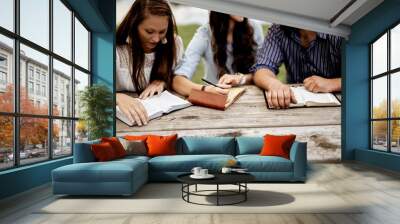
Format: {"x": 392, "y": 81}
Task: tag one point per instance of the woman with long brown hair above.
{"x": 228, "y": 44}
{"x": 147, "y": 51}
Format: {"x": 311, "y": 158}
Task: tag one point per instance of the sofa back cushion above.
{"x": 104, "y": 151}
{"x": 83, "y": 152}
{"x": 134, "y": 147}
{"x": 116, "y": 146}
{"x": 249, "y": 145}
{"x": 196, "y": 145}
{"x": 277, "y": 145}
{"x": 136, "y": 137}
{"x": 161, "y": 145}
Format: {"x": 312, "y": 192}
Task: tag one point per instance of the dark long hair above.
{"x": 244, "y": 45}
{"x": 165, "y": 54}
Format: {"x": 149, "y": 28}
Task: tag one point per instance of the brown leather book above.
{"x": 206, "y": 99}
{"x": 215, "y": 100}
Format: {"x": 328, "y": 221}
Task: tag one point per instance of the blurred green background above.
{"x": 187, "y": 32}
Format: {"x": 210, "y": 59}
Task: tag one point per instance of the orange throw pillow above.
{"x": 116, "y": 145}
{"x": 275, "y": 145}
{"x": 161, "y": 145}
{"x": 136, "y": 137}
{"x": 103, "y": 152}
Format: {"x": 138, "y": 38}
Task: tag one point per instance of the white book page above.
{"x": 153, "y": 110}
{"x": 166, "y": 102}
{"x": 156, "y": 105}
{"x": 299, "y": 98}
{"x": 307, "y": 97}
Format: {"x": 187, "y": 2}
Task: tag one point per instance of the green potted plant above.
{"x": 96, "y": 103}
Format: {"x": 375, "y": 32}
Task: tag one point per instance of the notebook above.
{"x": 215, "y": 100}
{"x": 157, "y": 105}
{"x": 306, "y": 98}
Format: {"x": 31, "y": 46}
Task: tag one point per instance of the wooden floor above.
{"x": 377, "y": 188}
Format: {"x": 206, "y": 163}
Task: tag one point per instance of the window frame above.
{"x": 388, "y": 74}
{"x": 16, "y": 114}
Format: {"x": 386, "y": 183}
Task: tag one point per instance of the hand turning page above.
{"x": 157, "y": 105}
{"x": 306, "y": 98}
{"x": 310, "y": 99}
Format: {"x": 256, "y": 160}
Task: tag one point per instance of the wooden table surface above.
{"x": 249, "y": 116}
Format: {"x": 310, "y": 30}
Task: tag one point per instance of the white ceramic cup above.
{"x": 203, "y": 172}
{"x": 196, "y": 170}
{"x": 226, "y": 170}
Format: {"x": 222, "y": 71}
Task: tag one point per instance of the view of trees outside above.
{"x": 33, "y": 131}
{"x": 6, "y": 141}
{"x": 34, "y": 82}
{"x": 380, "y": 136}
{"x": 379, "y": 128}
{"x": 81, "y": 131}
{"x": 395, "y": 108}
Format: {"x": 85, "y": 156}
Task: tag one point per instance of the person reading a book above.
{"x": 310, "y": 58}
{"x": 147, "y": 51}
{"x": 228, "y": 44}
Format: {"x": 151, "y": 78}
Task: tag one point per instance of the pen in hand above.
{"x": 216, "y": 85}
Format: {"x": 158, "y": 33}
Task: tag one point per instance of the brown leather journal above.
{"x": 215, "y": 100}
{"x": 206, "y": 99}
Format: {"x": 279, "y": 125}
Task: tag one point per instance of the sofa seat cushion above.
{"x": 134, "y": 157}
{"x": 257, "y": 163}
{"x": 113, "y": 171}
{"x": 200, "y": 145}
{"x": 185, "y": 163}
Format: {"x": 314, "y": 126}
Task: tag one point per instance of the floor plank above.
{"x": 377, "y": 190}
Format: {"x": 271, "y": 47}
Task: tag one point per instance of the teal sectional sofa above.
{"x": 125, "y": 176}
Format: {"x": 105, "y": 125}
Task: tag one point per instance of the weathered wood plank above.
{"x": 219, "y": 121}
{"x": 323, "y": 143}
{"x": 249, "y": 111}
{"x": 319, "y": 126}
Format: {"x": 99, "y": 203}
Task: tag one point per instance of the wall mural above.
{"x": 226, "y": 75}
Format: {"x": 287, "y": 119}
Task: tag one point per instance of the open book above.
{"x": 233, "y": 95}
{"x": 215, "y": 100}
{"x": 157, "y": 105}
{"x": 306, "y": 98}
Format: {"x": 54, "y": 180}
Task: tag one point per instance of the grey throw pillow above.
{"x": 134, "y": 147}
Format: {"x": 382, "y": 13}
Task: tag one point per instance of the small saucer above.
{"x": 208, "y": 176}
{"x": 240, "y": 171}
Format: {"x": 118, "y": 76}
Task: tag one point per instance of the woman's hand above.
{"x": 132, "y": 108}
{"x": 213, "y": 89}
{"x": 230, "y": 80}
{"x": 155, "y": 87}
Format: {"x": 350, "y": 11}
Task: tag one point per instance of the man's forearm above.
{"x": 248, "y": 79}
{"x": 337, "y": 85}
{"x": 263, "y": 78}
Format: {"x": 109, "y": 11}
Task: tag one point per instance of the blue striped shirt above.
{"x": 322, "y": 57}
